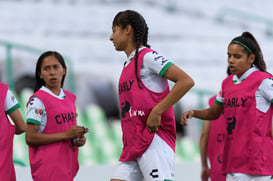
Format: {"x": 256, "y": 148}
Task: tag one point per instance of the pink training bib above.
{"x": 249, "y": 145}
{"x": 135, "y": 106}
{"x": 56, "y": 161}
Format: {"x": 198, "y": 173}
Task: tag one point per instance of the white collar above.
{"x": 238, "y": 80}
{"x": 60, "y": 96}
{"x": 132, "y": 54}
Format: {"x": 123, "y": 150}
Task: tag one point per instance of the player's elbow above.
{"x": 189, "y": 83}
{"x": 20, "y": 130}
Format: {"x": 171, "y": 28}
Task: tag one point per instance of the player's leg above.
{"x": 127, "y": 171}
{"x": 158, "y": 162}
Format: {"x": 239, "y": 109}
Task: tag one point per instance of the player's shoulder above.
{"x": 267, "y": 85}
{"x": 154, "y": 57}
{"x": 34, "y": 101}
{"x": 152, "y": 54}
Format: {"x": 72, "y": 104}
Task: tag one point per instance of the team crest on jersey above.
{"x": 39, "y": 112}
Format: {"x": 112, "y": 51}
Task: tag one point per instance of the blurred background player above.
{"x": 212, "y": 140}
{"x": 9, "y": 106}
{"x": 211, "y": 146}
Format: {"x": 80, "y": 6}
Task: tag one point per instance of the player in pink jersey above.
{"x": 147, "y": 117}
{"x": 9, "y": 106}
{"x": 211, "y": 146}
{"x": 246, "y": 101}
{"x": 52, "y": 132}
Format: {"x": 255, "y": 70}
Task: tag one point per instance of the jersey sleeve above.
{"x": 219, "y": 99}
{"x": 11, "y": 103}
{"x": 156, "y": 62}
{"x": 266, "y": 89}
{"x": 35, "y": 111}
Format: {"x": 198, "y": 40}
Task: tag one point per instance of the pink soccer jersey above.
{"x": 56, "y": 161}
{"x": 216, "y": 141}
{"x": 249, "y": 144}
{"x": 135, "y": 106}
{"x": 7, "y": 131}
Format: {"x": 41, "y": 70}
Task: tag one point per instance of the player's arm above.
{"x": 203, "y": 150}
{"x": 211, "y": 113}
{"x": 33, "y": 137}
{"x": 12, "y": 109}
{"x": 20, "y": 125}
{"x": 36, "y": 113}
{"x": 183, "y": 83}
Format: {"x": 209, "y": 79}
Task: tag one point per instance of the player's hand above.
{"x": 185, "y": 116}
{"x": 205, "y": 173}
{"x": 153, "y": 121}
{"x": 80, "y": 141}
{"x": 75, "y": 131}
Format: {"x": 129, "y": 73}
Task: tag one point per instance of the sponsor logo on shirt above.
{"x": 125, "y": 86}
{"x": 65, "y": 117}
{"x": 126, "y": 109}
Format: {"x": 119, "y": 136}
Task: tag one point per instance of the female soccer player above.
{"x": 246, "y": 101}
{"x": 147, "y": 116}
{"x": 52, "y": 132}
